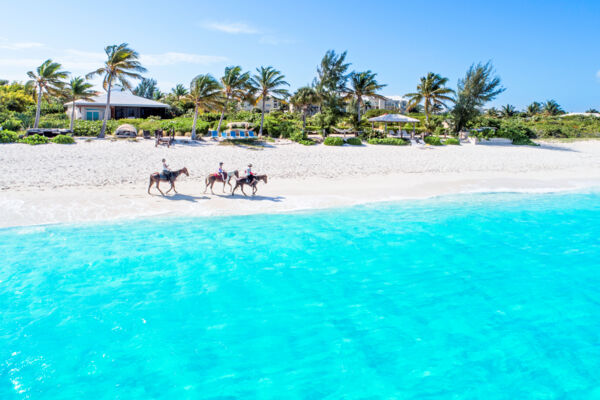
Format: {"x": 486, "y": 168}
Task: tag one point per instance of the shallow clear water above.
{"x": 491, "y": 296}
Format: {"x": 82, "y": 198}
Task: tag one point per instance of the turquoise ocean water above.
{"x": 486, "y": 296}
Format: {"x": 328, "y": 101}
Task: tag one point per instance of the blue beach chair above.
{"x": 233, "y": 134}
{"x": 214, "y": 134}
{"x": 223, "y": 135}
{"x": 242, "y": 134}
{"x": 251, "y": 134}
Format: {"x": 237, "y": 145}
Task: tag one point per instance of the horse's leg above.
{"x": 206, "y": 183}
{"x": 212, "y": 183}
{"x": 224, "y": 185}
{"x": 229, "y": 183}
{"x": 158, "y": 187}
{"x": 150, "y": 185}
{"x": 254, "y": 189}
{"x": 235, "y": 187}
{"x": 171, "y": 188}
{"x": 242, "y": 187}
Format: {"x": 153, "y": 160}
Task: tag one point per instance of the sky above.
{"x": 540, "y": 49}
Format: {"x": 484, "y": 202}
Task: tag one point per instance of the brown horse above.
{"x": 212, "y": 178}
{"x": 156, "y": 178}
{"x": 240, "y": 182}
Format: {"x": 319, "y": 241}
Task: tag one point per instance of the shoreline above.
{"x": 23, "y": 207}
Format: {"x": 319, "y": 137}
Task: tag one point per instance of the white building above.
{"x": 387, "y": 103}
{"x": 122, "y": 105}
{"x": 270, "y": 105}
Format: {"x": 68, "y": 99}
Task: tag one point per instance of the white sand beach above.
{"x": 95, "y": 180}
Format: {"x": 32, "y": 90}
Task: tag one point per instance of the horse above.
{"x": 212, "y": 178}
{"x": 156, "y": 178}
{"x": 240, "y": 182}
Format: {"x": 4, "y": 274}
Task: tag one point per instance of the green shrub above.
{"x": 433, "y": 140}
{"x": 453, "y": 141}
{"x": 8, "y": 137}
{"x": 12, "y": 124}
{"x": 34, "y": 139}
{"x": 333, "y": 141}
{"x": 306, "y": 142}
{"x": 354, "y": 141}
{"x": 63, "y": 139}
{"x": 523, "y": 141}
{"x": 389, "y": 141}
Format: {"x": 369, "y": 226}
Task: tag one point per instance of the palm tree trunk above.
{"x": 358, "y": 112}
{"x": 262, "y": 116}
{"x": 222, "y": 114}
{"x": 38, "y": 108}
{"x": 304, "y": 120}
{"x": 194, "y": 124}
{"x": 106, "y": 110}
{"x": 72, "y": 115}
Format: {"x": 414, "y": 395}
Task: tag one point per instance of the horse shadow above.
{"x": 185, "y": 197}
{"x": 274, "y": 199}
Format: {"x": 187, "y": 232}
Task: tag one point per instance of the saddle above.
{"x": 218, "y": 176}
{"x": 164, "y": 176}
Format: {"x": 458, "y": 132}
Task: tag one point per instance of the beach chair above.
{"x": 233, "y": 134}
{"x": 223, "y": 135}
{"x": 242, "y": 134}
{"x": 214, "y": 134}
{"x": 251, "y": 134}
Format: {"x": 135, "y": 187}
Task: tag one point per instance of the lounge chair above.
{"x": 223, "y": 135}
{"x": 242, "y": 134}
{"x": 214, "y": 134}
{"x": 146, "y": 135}
{"x": 251, "y": 134}
{"x": 233, "y": 134}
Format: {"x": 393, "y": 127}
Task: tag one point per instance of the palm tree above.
{"x": 205, "y": 93}
{"x": 78, "y": 89}
{"x": 304, "y": 97}
{"x": 47, "y": 80}
{"x": 235, "y": 85}
{"x": 492, "y": 112}
{"x": 363, "y": 84}
{"x": 179, "y": 92}
{"x": 551, "y": 107}
{"x": 121, "y": 65}
{"x": 534, "y": 108}
{"x": 508, "y": 111}
{"x": 430, "y": 91}
{"x": 268, "y": 82}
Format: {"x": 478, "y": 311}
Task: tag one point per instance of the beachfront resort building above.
{"x": 122, "y": 105}
{"x": 387, "y": 103}
{"x": 270, "y": 105}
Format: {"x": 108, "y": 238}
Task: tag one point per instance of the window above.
{"x": 92, "y": 115}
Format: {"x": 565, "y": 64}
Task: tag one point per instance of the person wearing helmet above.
{"x": 221, "y": 172}
{"x": 249, "y": 174}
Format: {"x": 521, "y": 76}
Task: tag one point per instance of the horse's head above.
{"x": 264, "y": 178}
{"x": 236, "y": 173}
{"x": 185, "y": 171}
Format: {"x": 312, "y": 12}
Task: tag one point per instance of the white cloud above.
{"x": 233, "y": 27}
{"x": 7, "y": 45}
{"x": 171, "y": 58}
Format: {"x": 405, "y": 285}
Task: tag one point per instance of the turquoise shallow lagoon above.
{"x": 486, "y": 296}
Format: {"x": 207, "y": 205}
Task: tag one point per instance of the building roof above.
{"x": 120, "y": 99}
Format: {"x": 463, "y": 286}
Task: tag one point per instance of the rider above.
{"x": 166, "y": 169}
{"x": 221, "y": 172}
{"x": 249, "y": 174}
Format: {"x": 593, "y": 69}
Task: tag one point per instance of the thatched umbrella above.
{"x": 126, "y": 130}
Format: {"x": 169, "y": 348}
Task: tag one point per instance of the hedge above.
{"x": 453, "y": 141}
{"x": 354, "y": 141}
{"x": 8, "y": 137}
{"x": 389, "y": 141}
{"x": 333, "y": 141}
{"x": 34, "y": 139}
{"x": 63, "y": 139}
{"x": 433, "y": 140}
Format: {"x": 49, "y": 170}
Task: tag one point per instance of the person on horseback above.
{"x": 166, "y": 169}
{"x": 221, "y": 172}
{"x": 249, "y": 174}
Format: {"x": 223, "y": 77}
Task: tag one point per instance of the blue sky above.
{"x": 541, "y": 49}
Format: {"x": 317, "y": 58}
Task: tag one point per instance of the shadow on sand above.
{"x": 275, "y": 199}
{"x": 183, "y": 197}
